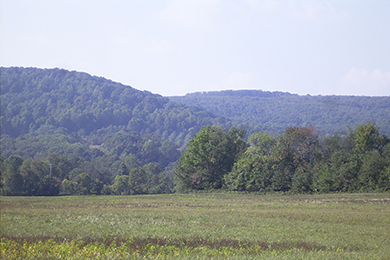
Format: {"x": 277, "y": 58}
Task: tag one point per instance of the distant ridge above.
{"x": 244, "y": 92}
{"x": 260, "y": 110}
{"x": 259, "y": 93}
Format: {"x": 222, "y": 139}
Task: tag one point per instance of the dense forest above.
{"x": 56, "y": 101}
{"x": 216, "y": 159}
{"x": 258, "y": 110}
{"x": 46, "y": 111}
{"x": 66, "y": 132}
{"x": 85, "y": 129}
{"x": 296, "y": 161}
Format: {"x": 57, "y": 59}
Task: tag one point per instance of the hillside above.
{"x": 274, "y": 111}
{"x": 41, "y": 101}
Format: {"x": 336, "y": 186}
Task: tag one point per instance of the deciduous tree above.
{"x": 210, "y": 155}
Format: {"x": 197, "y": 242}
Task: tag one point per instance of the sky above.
{"x": 172, "y": 47}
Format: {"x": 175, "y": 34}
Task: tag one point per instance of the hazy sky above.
{"x": 177, "y": 47}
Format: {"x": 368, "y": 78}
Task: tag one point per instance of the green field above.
{"x": 190, "y": 226}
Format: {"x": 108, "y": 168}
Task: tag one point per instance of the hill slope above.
{"x": 274, "y": 111}
{"x": 86, "y": 109}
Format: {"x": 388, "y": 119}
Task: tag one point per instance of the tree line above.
{"x": 60, "y": 175}
{"x": 297, "y": 161}
{"x": 97, "y": 169}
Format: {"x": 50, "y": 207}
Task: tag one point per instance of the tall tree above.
{"x": 12, "y": 180}
{"x": 368, "y": 138}
{"x": 138, "y": 181}
{"x": 294, "y": 154}
{"x": 252, "y": 172}
{"x": 210, "y": 155}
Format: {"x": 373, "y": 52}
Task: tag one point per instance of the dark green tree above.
{"x": 210, "y": 155}
{"x": 121, "y": 185}
{"x": 168, "y": 153}
{"x": 253, "y": 171}
{"x": 158, "y": 182}
{"x": 49, "y": 186}
{"x": 138, "y": 181}
{"x": 123, "y": 170}
{"x": 295, "y": 153}
{"x": 368, "y": 138}
{"x": 12, "y": 180}
{"x": 131, "y": 161}
{"x": 97, "y": 187}
{"x": 30, "y": 179}
{"x": 84, "y": 184}
{"x": 68, "y": 187}
{"x": 339, "y": 167}
{"x": 373, "y": 175}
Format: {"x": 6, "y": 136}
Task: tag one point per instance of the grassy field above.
{"x": 190, "y": 226}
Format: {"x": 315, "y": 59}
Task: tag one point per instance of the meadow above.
{"x": 193, "y": 226}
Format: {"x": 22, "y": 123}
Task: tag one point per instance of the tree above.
{"x": 368, "y": 138}
{"x": 2, "y": 170}
{"x": 339, "y": 167}
{"x": 48, "y": 186}
{"x": 154, "y": 178}
{"x": 373, "y": 172}
{"x": 295, "y": 153}
{"x": 61, "y": 165}
{"x": 12, "y": 180}
{"x": 121, "y": 185}
{"x": 84, "y": 184}
{"x": 150, "y": 151}
{"x": 138, "y": 181}
{"x": 30, "y": 179}
{"x": 97, "y": 187}
{"x": 168, "y": 153}
{"x": 123, "y": 170}
{"x": 252, "y": 172}
{"x": 67, "y": 187}
{"x": 131, "y": 161}
{"x": 210, "y": 155}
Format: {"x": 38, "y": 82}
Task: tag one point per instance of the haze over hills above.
{"x": 260, "y": 110}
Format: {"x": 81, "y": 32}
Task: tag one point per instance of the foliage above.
{"x": 299, "y": 162}
{"x": 56, "y": 101}
{"x": 69, "y": 133}
{"x": 252, "y": 171}
{"x": 210, "y": 155}
{"x": 96, "y": 125}
{"x": 58, "y": 174}
{"x": 257, "y": 110}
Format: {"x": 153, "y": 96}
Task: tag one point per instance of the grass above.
{"x": 214, "y": 225}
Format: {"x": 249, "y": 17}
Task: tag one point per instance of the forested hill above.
{"x": 274, "y": 111}
{"x": 37, "y": 102}
{"x": 66, "y": 132}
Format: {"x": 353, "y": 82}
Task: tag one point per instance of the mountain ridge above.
{"x": 274, "y": 111}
